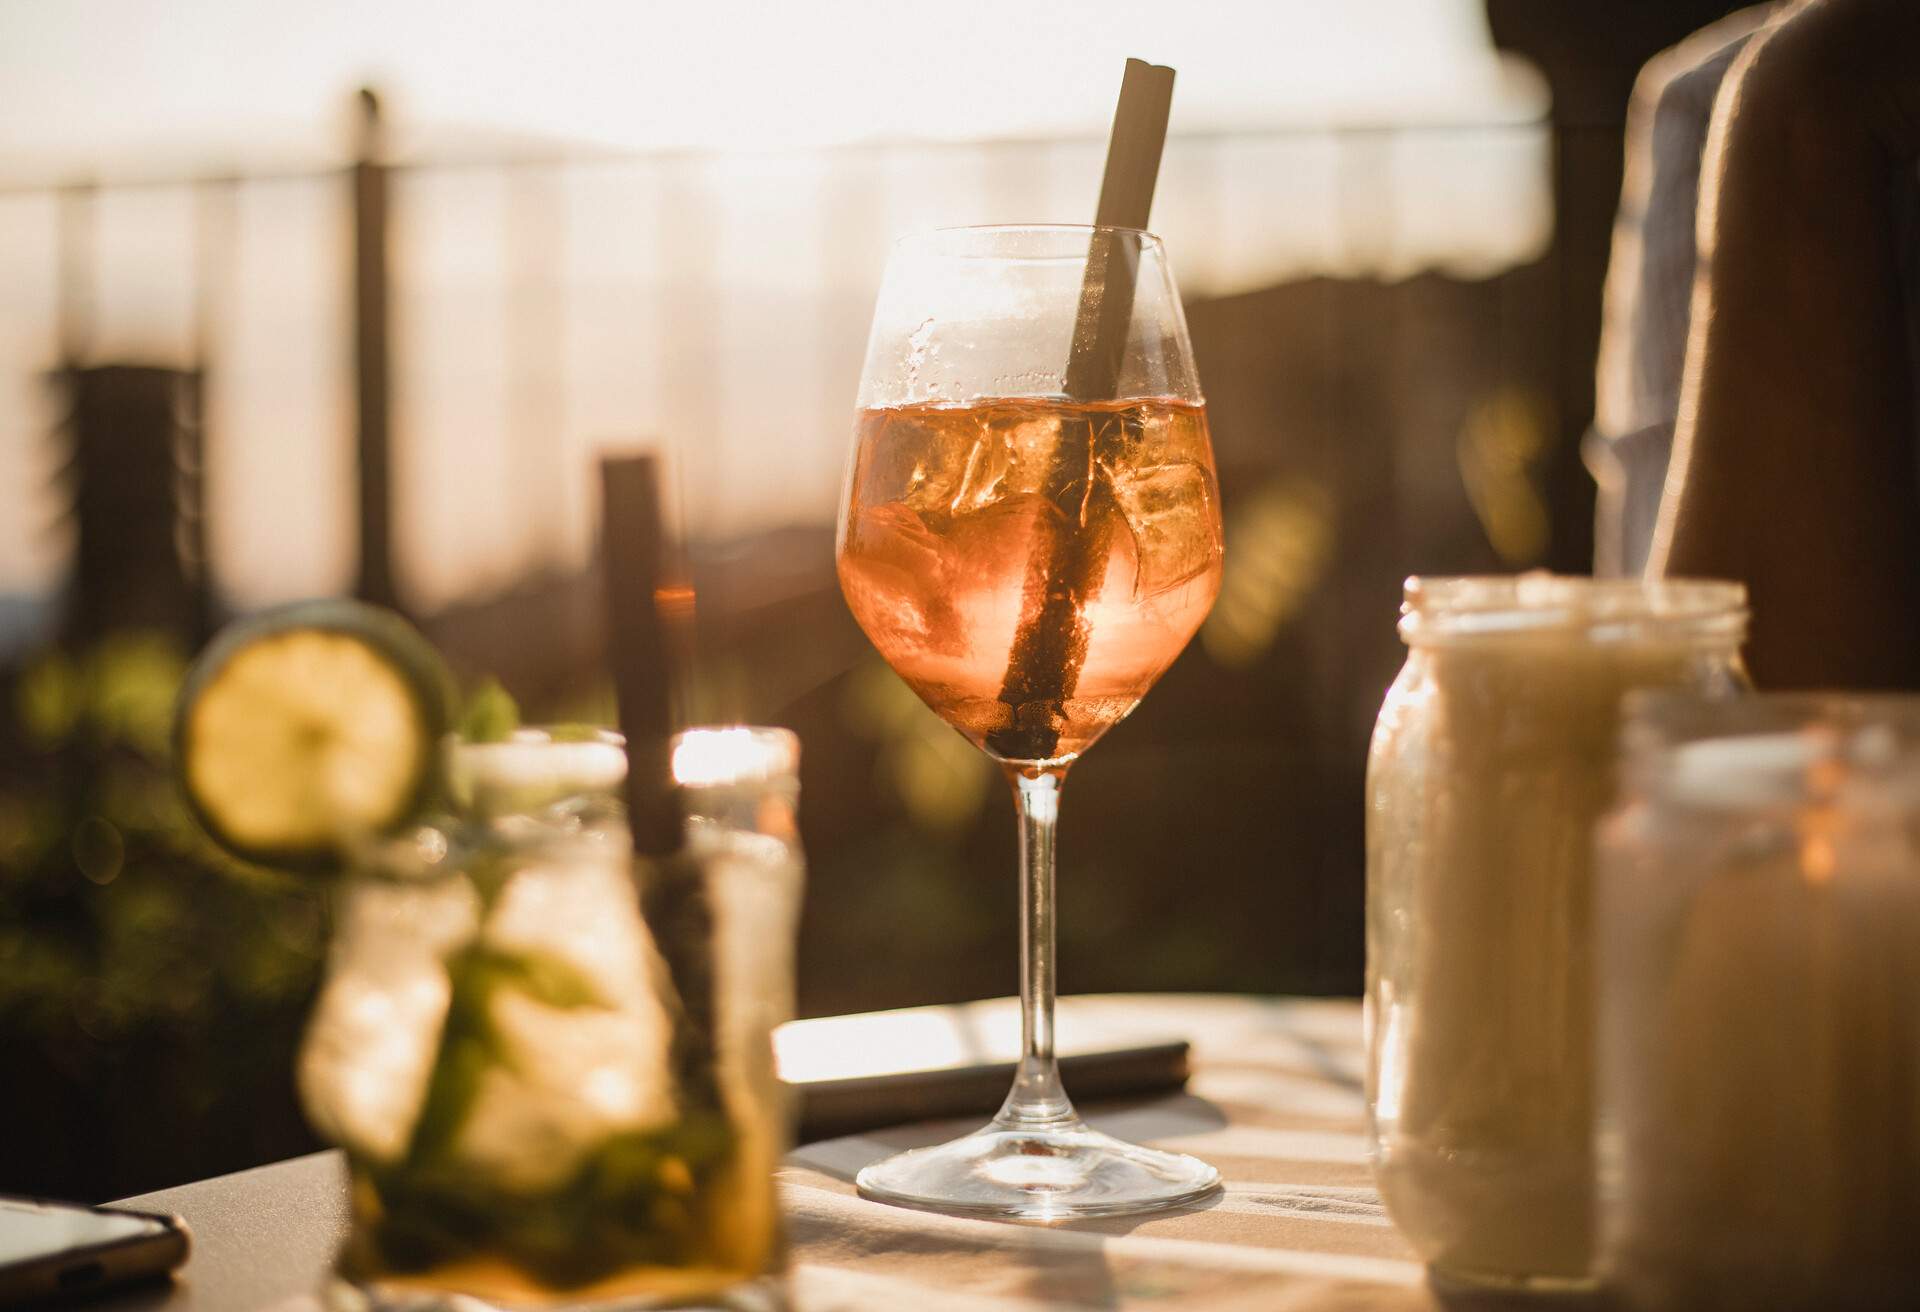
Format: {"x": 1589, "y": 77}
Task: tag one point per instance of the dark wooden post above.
{"x": 372, "y": 359}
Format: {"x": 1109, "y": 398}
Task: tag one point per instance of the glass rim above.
{"x": 777, "y": 748}
{"x": 1764, "y": 749}
{"x": 598, "y": 759}
{"x": 533, "y": 766}
{"x": 924, "y": 242}
{"x": 559, "y": 733}
{"x": 1692, "y": 714}
{"x": 532, "y": 740}
{"x": 1493, "y": 606}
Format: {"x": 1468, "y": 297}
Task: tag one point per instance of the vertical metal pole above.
{"x": 539, "y": 457}
{"x": 213, "y": 288}
{"x": 78, "y": 254}
{"x": 372, "y": 360}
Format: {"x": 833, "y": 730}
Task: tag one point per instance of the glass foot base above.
{"x": 1038, "y": 1175}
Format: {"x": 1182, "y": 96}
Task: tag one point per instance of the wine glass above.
{"x": 1029, "y": 534}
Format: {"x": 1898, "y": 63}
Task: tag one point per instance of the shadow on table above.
{"x": 1080, "y": 1277}
{"x": 902, "y": 1249}
{"x": 1161, "y": 1117}
{"x": 1057, "y": 1268}
{"x": 1454, "y": 1296}
{"x": 1336, "y": 1062}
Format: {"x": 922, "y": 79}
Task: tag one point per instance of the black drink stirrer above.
{"x": 638, "y": 650}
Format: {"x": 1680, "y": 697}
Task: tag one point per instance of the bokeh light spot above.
{"x": 1281, "y": 545}
{"x": 98, "y": 850}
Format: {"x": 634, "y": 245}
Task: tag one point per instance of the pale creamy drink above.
{"x": 1492, "y": 760}
{"x": 1758, "y": 903}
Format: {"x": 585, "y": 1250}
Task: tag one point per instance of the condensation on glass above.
{"x": 1759, "y": 911}
{"x": 1492, "y": 759}
{"x": 550, "y": 1062}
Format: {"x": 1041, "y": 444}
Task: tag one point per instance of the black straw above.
{"x": 1067, "y": 566}
{"x": 634, "y": 553}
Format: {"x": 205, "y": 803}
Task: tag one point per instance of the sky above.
{"x": 142, "y": 84}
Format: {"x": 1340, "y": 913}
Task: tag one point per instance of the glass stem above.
{"x": 1037, "y": 1101}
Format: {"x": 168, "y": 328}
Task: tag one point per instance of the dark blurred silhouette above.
{"x": 1796, "y": 445}
{"x": 1591, "y": 54}
{"x": 1650, "y": 285}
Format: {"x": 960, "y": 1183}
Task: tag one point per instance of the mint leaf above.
{"x": 491, "y": 714}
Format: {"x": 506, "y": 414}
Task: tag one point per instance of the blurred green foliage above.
{"x": 138, "y": 963}
{"x": 940, "y": 779}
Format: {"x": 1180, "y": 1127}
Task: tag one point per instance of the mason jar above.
{"x": 549, "y": 1061}
{"x": 1493, "y": 757}
{"x": 1759, "y": 929}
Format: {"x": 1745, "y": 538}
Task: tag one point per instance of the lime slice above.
{"x": 305, "y": 726}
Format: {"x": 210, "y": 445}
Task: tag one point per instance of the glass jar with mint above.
{"x": 548, "y": 1060}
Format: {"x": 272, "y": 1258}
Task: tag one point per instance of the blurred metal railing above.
{"x": 540, "y": 305}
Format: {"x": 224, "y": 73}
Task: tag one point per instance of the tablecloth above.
{"x": 1275, "y": 1102}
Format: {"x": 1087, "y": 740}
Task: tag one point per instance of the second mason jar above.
{"x": 1493, "y": 757}
{"x": 1757, "y": 906}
